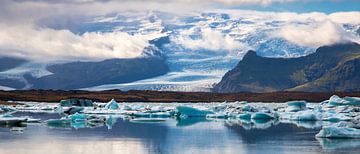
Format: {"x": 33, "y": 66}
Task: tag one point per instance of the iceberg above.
{"x": 112, "y": 105}
{"x": 353, "y": 100}
{"x": 185, "y": 111}
{"x": 337, "y": 101}
{"x": 262, "y": 115}
{"x": 295, "y": 106}
{"x": 305, "y": 116}
{"x": 338, "y": 132}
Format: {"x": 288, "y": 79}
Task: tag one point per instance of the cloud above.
{"x": 315, "y": 35}
{"x": 262, "y": 2}
{"x": 44, "y": 44}
{"x": 209, "y": 40}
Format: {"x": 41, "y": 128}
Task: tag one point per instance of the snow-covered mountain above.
{"x": 200, "y": 47}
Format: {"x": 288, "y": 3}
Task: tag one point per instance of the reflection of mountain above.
{"x": 330, "y": 68}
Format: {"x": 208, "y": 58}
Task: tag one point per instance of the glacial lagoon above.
{"x": 128, "y": 131}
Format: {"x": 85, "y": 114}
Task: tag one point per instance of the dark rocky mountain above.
{"x": 330, "y": 68}
{"x": 77, "y": 75}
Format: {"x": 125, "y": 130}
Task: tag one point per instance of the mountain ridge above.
{"x": 330, "y": 68}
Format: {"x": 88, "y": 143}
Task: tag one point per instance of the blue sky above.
{"x": 326, "y": 6}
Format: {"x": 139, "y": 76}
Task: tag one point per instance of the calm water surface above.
{"x": 173, "y": 136}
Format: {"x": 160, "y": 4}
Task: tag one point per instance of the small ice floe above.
{"x": 338, "y": 132}
{"x": 147, "y": 120}
{"x": 112, "y": 105}
{"x": 186, "y": 111}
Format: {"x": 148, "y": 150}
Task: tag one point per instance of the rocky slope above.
{"x": 330, "y": 68}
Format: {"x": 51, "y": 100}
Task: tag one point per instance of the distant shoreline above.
{"x": 166, "y": 96}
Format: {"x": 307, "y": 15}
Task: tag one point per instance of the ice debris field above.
{"x": 337, "y": 117}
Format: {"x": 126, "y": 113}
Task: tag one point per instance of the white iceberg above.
{"x": 338, "y": 132}
{"x": 112, "y": 105}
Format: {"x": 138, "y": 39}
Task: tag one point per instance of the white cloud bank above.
{"x": 44, "y": 44}
{"x": 210, "y": 39}
{"x": 326, "y": 33}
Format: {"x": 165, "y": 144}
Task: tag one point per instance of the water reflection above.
{"x": 190, "y": 135}
{"x": 339, "y": 144}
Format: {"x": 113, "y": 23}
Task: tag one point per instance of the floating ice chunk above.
{"x": 294, "y": 106}
{"x": 338, "y": 132}
{"x": 112, "y": 105}
{"x": 192, "y": 112}
{"x": 262, "y": 115}
{"x": 337, "y": 101}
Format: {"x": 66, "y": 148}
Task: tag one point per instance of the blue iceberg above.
{"x": 112, "y": 105}
{"x": 192, "y": 112}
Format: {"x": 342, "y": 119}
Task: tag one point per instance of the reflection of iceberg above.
{"x": 338, "y": 132}
{"x": 59, "y": 123}
{"x": 78, "y": 117}
{"x": 147, "y": 120}
{"x": 334, "y": 144}
{"x": 307, "y": 124}
{"x": 182, "y": 122}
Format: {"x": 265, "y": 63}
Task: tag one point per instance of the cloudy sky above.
{"x": 24, "y": 32}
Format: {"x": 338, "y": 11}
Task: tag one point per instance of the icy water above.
{"x": 190, "y": 135}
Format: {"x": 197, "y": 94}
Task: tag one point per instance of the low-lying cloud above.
{"x": 209, "y": 40}
{"x": 326, "y": 33}
{"x": 44, "y": 44}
